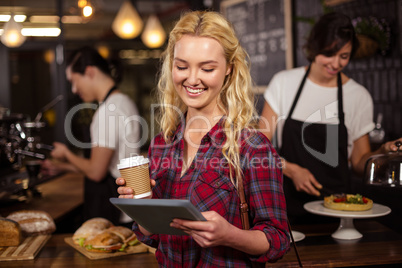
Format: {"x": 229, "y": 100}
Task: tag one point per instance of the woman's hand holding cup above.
{"x": 128, "y": 192}
{"x": 124, "y": 192}
{"x": 135, "y": 179}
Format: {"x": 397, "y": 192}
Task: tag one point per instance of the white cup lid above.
{"x": 132, "y": 162}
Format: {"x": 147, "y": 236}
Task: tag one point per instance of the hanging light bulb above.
{"x": 154, "y": 35}
{"x": 82, "y": 3}
{"x": 12, "y": 36}
{"x": 127, "y": 24}
{"x": 87, "y": 9}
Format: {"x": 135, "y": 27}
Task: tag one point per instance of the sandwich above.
{"x": 89, "y": 229}
{"x": 115, "y": 238}
{"x": 105, "y": 242}
{"x": 126, "y": 235}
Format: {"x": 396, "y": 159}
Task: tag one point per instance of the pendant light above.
{"x": 82, "y": 3}
{"x": 87, "y": 11}
{"x": 154, "y": 35}
{"x": 127, "y": 24}
{"x": 12, "y": 36}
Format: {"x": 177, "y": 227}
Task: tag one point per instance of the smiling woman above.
{"x": 208, "y": 150}
{"x": 320, "y": 117}
{"x": 199, "y": 79}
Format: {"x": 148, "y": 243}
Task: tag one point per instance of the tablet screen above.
{"x": 155, "y": 215}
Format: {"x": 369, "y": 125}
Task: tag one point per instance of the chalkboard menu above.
{"x": 260, "y": 27}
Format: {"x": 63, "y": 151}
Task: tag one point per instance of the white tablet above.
{"x": 155, "y": 215}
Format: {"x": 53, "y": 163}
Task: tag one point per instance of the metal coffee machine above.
{"x": 20, "y": 150}
{"x": 17, "y": 140}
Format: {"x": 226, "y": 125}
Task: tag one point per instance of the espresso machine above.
{"x": 20, "y": 152}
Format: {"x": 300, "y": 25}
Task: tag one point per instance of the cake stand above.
{"x": 346, "y": 229}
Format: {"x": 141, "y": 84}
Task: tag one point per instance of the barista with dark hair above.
{"x": 321, "y": 117}
{"x": 114, "y": 133}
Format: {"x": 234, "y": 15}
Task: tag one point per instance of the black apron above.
{"x": 97, "y": 194}
{"x": 322, "y": 149}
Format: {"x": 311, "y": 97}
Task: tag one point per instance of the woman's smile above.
{"x": 194, "y": 90}
{"x": 332, "y": 71}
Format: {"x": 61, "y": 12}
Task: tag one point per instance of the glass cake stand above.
{"x": 346, "y": 229}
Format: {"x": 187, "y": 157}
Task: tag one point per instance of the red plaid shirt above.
{"x": 207, "y": 185}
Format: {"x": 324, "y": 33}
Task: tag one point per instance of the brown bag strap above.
{"x": 243, "y": 205}
{"x": 244, "y": 215}
{"x": 246, "y": 223}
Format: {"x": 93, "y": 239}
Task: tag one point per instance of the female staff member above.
{"x": 114, "y": 133}
{"x": 206, "y": 146}
{"x": 322, "y": 117}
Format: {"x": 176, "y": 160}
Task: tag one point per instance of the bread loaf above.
{"x": 10, "y": 231}
{"x": 33, "y": 222}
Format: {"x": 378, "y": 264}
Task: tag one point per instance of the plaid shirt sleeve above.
{"x": 264, "y": 193}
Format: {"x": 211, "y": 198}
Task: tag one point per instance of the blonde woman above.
{"x": 208, "y": 142}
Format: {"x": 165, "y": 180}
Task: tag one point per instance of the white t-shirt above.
{"x": 116, "y": 125}
{"x": 318, "y": 104}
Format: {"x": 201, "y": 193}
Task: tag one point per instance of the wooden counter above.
{"x": 60, "y": 196}
{"x": 379, "y": 246}
{"x": 57, "y": 253}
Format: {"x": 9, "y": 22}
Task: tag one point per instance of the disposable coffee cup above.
{"x": 135, "y": 171}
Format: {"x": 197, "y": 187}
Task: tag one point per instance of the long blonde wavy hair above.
{"x": 236, "y": 97}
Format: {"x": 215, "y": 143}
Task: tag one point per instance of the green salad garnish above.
{"x": 356, "y": 199}
{"x": 133, "y": 242}
{"x": 81, "y": 242}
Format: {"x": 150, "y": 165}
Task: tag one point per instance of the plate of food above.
{"x": 347, "y": 207}
{"x": 98, "y": 238}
